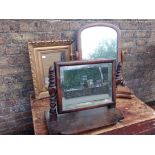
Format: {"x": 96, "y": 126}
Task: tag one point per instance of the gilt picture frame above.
{"x": 42, "y": 55}
{"x": 86, "y": 84}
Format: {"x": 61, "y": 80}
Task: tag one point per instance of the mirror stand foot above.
{"x": 81, "y": 122}
{"x": 124, "y": 92}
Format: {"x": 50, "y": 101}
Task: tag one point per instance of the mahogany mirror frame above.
{"x": 57, "y": 66}
{"x": 79, "y": 50}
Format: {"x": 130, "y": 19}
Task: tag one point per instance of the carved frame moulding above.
{"x": 42, "y": 55}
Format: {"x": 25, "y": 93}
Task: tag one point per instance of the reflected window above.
{"x": 99, "y": 42}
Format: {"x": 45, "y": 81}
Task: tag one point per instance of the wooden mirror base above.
{"x": 124, "y": 92}
{"x": 74, "y": 123}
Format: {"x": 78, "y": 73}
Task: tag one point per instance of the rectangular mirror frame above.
{"x": 36, "y": 49}
{"x": 57, "y": 66}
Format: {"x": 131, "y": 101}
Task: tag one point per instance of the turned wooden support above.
{"x": 119, "y": 78}
{"x": 52, "y": 93}
{"x": 122, "y": 90}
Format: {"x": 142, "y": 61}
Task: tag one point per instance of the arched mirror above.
{"x": 99, "y": 40}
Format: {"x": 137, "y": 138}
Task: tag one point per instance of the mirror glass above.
{"x": 86, "y": 85}
{"x": 48, "y": 59}
{"x": 99, "y": 42}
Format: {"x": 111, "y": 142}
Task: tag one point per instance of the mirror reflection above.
{"x": 99, "y": 42}
{"x": 86, "y": 85}
{"x": 48, "y": 59}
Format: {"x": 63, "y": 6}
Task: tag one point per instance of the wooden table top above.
{"x": 134, "y": 110}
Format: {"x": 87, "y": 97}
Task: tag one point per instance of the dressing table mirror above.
{"x": 69, "y": 101}
{"x": 103, "y": 40}
{"x": 80, "y": 101}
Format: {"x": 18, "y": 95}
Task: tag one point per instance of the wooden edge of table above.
{"x": 139, "y": 118}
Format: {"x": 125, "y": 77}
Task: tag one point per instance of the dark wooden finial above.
{"x": 52, "y": 93}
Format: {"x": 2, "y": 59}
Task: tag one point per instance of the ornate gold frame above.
{"x": 36, "y": 49}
